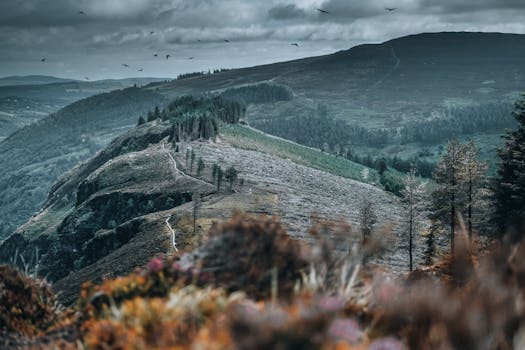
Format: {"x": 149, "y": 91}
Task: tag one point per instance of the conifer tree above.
{"x": 509, "y": 188}
{"x": 192, "y": 160}
{"x": 447, "y": 198}
{"x": 220, "y": 175}
{"x": 430, "y": 241}
{"x": 215, "y": 169}
{"x": 473, "y": 173}
{"x": 367, "y": 218}
{"x": 231, "y": 176}
{"x": 151, "y": 116}
{"x": 156, "y": 113}
{"x": 196, "y": 198}
{"x": 141, "y": 121}
{"x": 200, "y": 166}
{"x": 382, "y": 166}
{"x": 413, "y": 196}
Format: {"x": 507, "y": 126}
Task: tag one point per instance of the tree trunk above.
{"x": 453, "y": 212}
{"x": 452, "y": 221}
{"x": 410, "y": 238}
{"x": 470, "y": 209}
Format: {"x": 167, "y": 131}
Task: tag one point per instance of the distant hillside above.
{"x": 17, "y": 112}
{"x": 387, "y": 86}
{"x": 31, "y": 80}
{"x": 33, "y": 157}
{"x": 31, "y": 98}
{"x": 426, "y": 81}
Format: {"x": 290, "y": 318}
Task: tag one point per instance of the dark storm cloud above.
{"x": 342, "y": 9}
{"x": 44, "y": 13}
{"x": 286, "y": 11}
{"x": 455, "y": 6}
{"x": 258, "y": 31}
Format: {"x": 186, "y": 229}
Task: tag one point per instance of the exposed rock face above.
{"x": 97, "y": 207}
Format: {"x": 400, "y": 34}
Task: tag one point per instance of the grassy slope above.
{"x": 247, "y": 138}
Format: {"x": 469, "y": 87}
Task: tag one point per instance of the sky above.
{"x": 93, "y": 39}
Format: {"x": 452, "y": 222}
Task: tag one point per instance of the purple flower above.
{"x": 175, "y": 266}
{"x": 204, "y": 277}
{"x": 386, "y": 344}
{"x": 155, "y": 265}
{"x": 346, "y": 329}
{"x": 331, "y": 304}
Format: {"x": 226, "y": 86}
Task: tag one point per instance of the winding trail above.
{"x": 172, "y": 231}
{"x": 387, "y": 75}
{"x": 173, "y": 162}
{"x": 175, "y": 174}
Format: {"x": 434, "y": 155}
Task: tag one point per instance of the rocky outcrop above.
{"x": 107, "y": 199}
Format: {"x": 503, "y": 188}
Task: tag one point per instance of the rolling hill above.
{"x": 31, "y": 80}
{"x": 111, "y": 213}
{"x": 374, "y": 89}
{"x": 24, "y": 100}
{"x": 389, "y": 86}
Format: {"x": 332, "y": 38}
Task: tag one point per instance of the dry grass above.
{"x": 254, "y": 287}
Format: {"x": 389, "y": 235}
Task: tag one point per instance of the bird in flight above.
{"x": 151, "y": 33}
{"x": 86, "y": 78}
{"x": 125, "y": 65}
{"x": 295, "y": 44}
{"x": 190, "y": 58}
{"x": 323, "y": 11}
{"x": 81, "y": 13}
{"x": 43, "y": 59}
{"x": 390, "y": 9}
{"x": 226, "y": 41}
{"x": 168, "y": 56}
{"x": 140, "y": 70}
{"x": 156, "y": 54}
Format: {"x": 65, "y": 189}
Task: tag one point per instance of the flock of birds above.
{"x": 125, "y": 65}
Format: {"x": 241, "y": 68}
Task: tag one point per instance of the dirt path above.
{"x": 396, "y": 66}
{"x": 176, "y": 171}
{"x": 173, "y": 235}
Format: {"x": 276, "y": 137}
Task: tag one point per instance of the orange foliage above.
{"x": 27, "y": 305}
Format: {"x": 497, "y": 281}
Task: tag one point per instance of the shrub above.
{"x": 27, "y": 305}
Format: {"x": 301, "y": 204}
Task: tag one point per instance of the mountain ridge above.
{"x": 364, "y": 86}
{"x": 120, "y": 199}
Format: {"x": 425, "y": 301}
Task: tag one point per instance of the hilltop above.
{"x": 380, "y": 93}
{"x": 31, "y": 80}
{"x": 24, "y": 100}
{"x": 428, "y": 77}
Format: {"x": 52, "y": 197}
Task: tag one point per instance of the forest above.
{"x": 336, "y": 136}
{"x": 197, "y": 118}
{"x": 323, "y": 131}
{"x": 459, "y": 121}
{"x": 260, "y": 93}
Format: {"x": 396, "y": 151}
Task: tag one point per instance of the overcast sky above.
{"x": 110, "y": 33}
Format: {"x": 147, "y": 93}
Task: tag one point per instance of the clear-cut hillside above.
{"x": 109, "y": 214}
